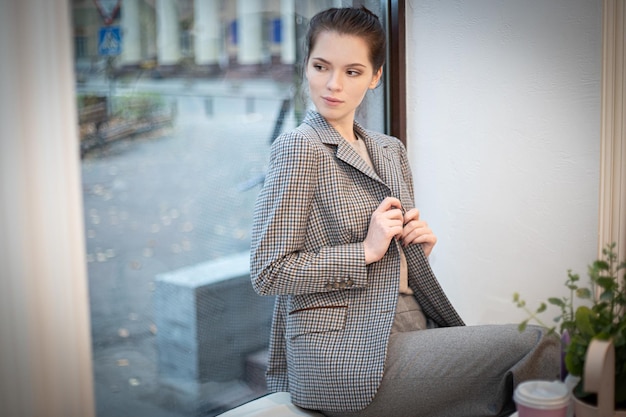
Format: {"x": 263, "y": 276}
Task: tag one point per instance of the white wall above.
{"x": 504, "y": 141}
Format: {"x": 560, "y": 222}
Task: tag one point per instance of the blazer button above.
{"x": 336, "y": 285}
{"x": 329, "y": 286}
{"x": 350, "y": 283}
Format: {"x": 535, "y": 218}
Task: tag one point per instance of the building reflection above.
{"x": 192, "y": 37}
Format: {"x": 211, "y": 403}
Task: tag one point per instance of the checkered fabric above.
{"x": 333, "y": 313}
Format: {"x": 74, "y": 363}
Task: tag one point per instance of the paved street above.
{"x": 166, "y": 199}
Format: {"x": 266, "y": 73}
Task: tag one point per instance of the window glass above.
{"x": 178, "y": 103}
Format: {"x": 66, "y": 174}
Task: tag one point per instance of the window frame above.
{"x": 396, "y": 73}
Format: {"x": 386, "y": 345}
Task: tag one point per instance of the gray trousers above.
{"x": 466, "y": 371}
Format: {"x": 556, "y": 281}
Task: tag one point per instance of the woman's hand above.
{"x": 385, "y": 224}
{"x": 417, "y": 231}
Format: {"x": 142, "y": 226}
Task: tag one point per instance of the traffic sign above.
{"x": 110, "y": 40}
{"x": 108, "y": 9}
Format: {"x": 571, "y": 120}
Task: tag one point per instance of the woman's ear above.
{"x": 376, "y": 78}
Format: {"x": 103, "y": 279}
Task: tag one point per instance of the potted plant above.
{"x": 593, "y": 312}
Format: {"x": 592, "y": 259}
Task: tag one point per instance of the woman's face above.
{"x": 339, "y": 73}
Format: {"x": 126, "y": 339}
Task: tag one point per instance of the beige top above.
{"x": 361, "y": 149}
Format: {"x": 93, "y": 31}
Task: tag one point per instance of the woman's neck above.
{"x": 346, "y": 130}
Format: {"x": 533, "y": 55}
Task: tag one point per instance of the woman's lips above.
{"x": 331, "y": 101}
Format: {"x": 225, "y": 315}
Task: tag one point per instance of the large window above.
{"x": 178, "y": 104}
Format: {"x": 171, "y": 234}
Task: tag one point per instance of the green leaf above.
{"x": 542, "y": 308}
{"x": 573, "y": 277}
{"x": 583, "y": 320}
{"x": 556, "y": 301}
{"x": 600, "y": 265}
{"x": 605, "y": 282}
{"x": 607, "y": 296}
{"x": 583, "y": 293}
{"x": 573, "y": 363}
{"x": 522, "y": 326}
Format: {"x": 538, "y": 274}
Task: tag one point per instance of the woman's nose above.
{"x": 334, "y": 81}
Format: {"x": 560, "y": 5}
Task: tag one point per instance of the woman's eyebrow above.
{"x": 356, "y": 64}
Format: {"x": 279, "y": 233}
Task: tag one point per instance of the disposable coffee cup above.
{"x": 542, "y": 399}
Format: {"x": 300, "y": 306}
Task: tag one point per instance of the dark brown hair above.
{"x": 352, "y": 21}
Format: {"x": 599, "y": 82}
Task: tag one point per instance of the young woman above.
{"x": 361, "y": 326}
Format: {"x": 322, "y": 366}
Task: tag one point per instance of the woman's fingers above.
{"x": 417, "y": 231}
{"x": 385, "y": 224}
{"x": 390, "y": 221}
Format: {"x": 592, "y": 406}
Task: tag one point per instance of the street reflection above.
{"x": 160, "y": 200}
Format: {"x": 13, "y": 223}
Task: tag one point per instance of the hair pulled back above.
{"x": 359, "y": 22}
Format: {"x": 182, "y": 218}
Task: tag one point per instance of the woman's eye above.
{"x": 318, "y": 67}
{"x": 353, "y": 73}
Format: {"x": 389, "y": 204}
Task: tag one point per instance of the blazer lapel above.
{"x": 383, "y": 160}
{"x": 345, "y": 152}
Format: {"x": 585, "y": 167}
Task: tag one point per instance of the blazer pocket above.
{"x": 316, "y": 320}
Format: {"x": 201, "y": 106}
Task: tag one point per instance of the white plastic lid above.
{"x": 543, "y": 395}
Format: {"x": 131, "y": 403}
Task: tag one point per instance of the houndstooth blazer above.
{"x": 333, "y": 314}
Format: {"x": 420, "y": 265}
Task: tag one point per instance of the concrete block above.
{"x": 209, "y": 319}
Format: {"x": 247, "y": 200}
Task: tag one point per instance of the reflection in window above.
{"x": 178, "y": 104}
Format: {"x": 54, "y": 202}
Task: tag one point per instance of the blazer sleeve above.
{"x": 277, "y": 371}
{"x": 287, "y": 219}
